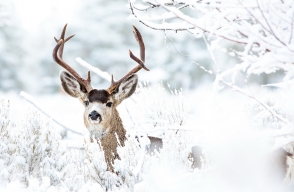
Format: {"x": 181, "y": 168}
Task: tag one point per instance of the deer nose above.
{"x": 94, "y": 115}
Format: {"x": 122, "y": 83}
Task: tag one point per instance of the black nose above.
{"x": 94, "y": 115}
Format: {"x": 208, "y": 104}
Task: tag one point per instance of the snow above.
{"x": 232, "y": 124}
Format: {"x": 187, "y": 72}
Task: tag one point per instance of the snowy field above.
{"x": 237, "y": 136}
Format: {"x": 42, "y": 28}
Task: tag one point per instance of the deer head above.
{"x": 100, "y": 115}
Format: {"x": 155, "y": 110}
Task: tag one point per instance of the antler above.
{"x": 138, "y": 36}
{"x": 57, "y": 56}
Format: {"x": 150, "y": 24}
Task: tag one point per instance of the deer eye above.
{"x": 86, "y": 103}
{"x": 109, "y": 104}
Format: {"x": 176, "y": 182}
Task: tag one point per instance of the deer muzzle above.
{"x": 95, "y": 116}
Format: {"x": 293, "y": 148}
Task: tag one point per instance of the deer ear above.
{"x": 71, "y": 86}
{"x": 126, "y": 89}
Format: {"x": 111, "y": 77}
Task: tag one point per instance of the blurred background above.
{"x": 103, "y": 38}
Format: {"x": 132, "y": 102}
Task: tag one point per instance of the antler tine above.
{"x": 138, "y": 36}
{"x": 140, "y": 41}
{"x": 57, "y": 56}
{"x": 60, "y": 52}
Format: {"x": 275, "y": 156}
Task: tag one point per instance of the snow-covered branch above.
{"x": 96, "y": 70}
{"x": 264, "y": 28}
{"x": 31, "y": 100}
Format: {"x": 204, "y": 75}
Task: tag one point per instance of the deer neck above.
{"x": 115, "y": 137}
{"x": 116, "y": 127}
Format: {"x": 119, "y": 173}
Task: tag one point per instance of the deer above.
{"x": 101, "y": 117}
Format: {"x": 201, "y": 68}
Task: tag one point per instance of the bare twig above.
{"x": 153, "y": 27}
{"x": 189, "y": 20}
{"x": 253, "y": 15}
{"x": 138, "y": 167}
{"x": 269, "y": 25}
{"x": 145, "y": 9}
{"x": 263, "y": 26}
{"x": 184, "y": 18}
{"x": 274, "y": 10}
{"x": 171, "y": 4}
{"x": 167, "y": 37}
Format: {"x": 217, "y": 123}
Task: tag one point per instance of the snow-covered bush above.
{"x": 96, "y": 168}
{"x": 164, "y": 169}
{"x": 4, "y": 112}
{"x": 129, "y": 159}
{"x": 156, "y": 112}
{"x": 177, "y": 146}
{"x": 95, "y": 164}
{"x": 264, "y": 118}
{"x": 7, "y": 145}
{"x": 155, "y": 108}
{"x": 41, "y": 154}
{"x": 175, "y": 152}
{"x": 31, "y": 149}
{"x": 32, "y": 157}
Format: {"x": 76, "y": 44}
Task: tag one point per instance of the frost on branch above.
{"x": 96, "y": 167}
{"x": 7, "y": 144}
{"x": 264, "y": 29}
{"x": 263, "y": 118}
{"x": 155, "y": 108}
{"x": 31, "y": 149}
{"x": 41, "y": 153}
{"x": 176, "y": 146}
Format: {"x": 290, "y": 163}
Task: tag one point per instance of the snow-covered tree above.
{"x": 263, "y": 29}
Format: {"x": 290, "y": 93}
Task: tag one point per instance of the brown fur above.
{"x": 110, "y": 143}
{"x": 278, "y": 163}
{"x": 155, "y": 144}
{"x": 101, "y": 96}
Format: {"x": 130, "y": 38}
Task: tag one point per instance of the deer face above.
{"x": 100, "y": 114}
{"x": 100, "y": 106}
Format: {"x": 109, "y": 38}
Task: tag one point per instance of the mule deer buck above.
{"x": 101, "y": 116}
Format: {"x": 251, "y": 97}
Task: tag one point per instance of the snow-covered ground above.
{"x": 237, "y": 136}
